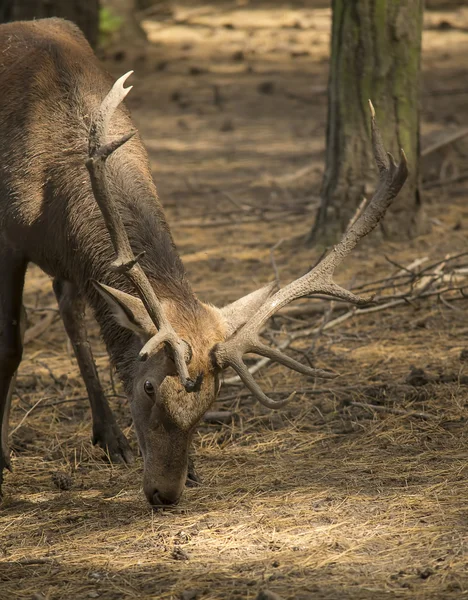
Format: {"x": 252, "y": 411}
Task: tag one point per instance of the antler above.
{"x": 318, "y": 280}
{"x": 126, "y": 262}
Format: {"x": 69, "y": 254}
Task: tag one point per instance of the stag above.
{"x": 77, "y": 199}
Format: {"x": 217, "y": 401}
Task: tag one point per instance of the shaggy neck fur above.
{"x": 148, "y": 232}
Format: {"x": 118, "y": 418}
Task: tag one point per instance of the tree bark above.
{"x": 163, "y": 7}
{"x": 85, "y": 13}
{"x": 375, "y": 54}
{"x": 130, "y": 33}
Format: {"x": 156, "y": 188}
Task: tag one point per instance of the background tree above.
{"x": 129, "y": 13}
{"x": 85, "y": 13}
{"x": 375, "y": 53}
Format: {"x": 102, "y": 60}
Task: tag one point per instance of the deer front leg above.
{"x": 106, "y": 432}
{"x": 193, "y": 478}
{"x": 7, "y": 406}
{"x": 11, "y": 340}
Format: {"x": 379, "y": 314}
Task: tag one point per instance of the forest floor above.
{"x": 327, "y": 498}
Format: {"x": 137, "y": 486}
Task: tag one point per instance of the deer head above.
{"x": 183, "y": 352}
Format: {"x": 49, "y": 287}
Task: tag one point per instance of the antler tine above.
{"x": 126, "y": 262}
{"x": 223, "y": 356}
{"x": 287, "y": 361}
{"x": 247, "y": 379}
{"x": 319, "y": 279}
{"x": 100, "y": 125}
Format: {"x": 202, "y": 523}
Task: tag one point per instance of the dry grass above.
{"x": 324, "y": 499}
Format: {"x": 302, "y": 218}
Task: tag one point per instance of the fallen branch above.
{"x": 445, "y": 140}
{"x": 283, "y": 179}
{"x": 39, "y": 328}
{"x": 440, "y": 182}
{"x": 218, "y": 416}
{"x": 33, "y": 561}
{"x": 421, "y": 285}
{"x": 394, "y": 411}
{"x": 283, "y": 216}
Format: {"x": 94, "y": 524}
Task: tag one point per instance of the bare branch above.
{"x": 39, "y": 328}
{"x": 393, "y": 411}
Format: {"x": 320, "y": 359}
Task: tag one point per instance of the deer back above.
{"x": 52, "y": 86}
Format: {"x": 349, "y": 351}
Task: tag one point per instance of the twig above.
{"x": 273, "y": 261}
{"x": 26, "y": 415}
{"x": 417, "y": 262}
{"x": 440, "y": 182}
{"x": 313, "y": 330}
{"x": 341, "y": 319}
{"x": 395, "y": 411}
{"x": 220, "y": 416}
{"x": 244, "y": 207}
{"x": 358, "y": 213}
{"x": 445, "y": 141}
{"x": 40, "y": 404}
{"x": 63, "y": 401}
{"x": 40, "y": 309}
{"x": 398, "y": 301}
{"x": 425, "y": 282}
{"x": 51, "y": 373}
{"x": 326, "y": 319}
{"x": 33, "y": 561}
{"x": 284, "y": 215}
{"x": 395, "y": 264}
{"x": 448, "y": 258}
{"x": 319, "y": 92}
{"x": 448, "y": 305}
{"x": 447, "y": 92}
{"x": 39, "y": 328}
{"x": 307, "y": 309}
{"x": 410, "y": 267}
{"x": 282, "y": 179}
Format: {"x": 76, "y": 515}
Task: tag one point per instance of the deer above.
{"x": 78, "y": 200}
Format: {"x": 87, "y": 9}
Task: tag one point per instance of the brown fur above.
{"x": 52, "y": 86}
{"x": 47, "y": 210}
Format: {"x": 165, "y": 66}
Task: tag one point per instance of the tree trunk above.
{"x": 375, "y": 54}
{"x": 161, "y": 7}
{"x": 130, "y": 12}
{"x": 130, "y": 33}
{"x": 85, "y": 13}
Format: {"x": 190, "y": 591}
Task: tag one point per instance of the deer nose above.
{"x": 157, "y": 499}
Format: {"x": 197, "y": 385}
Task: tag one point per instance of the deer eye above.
{"x": 149, "y": 388}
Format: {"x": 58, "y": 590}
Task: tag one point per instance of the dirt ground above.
{"x": 325, "y": 499}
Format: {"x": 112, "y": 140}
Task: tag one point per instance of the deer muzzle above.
{"x": 164, "y": 493}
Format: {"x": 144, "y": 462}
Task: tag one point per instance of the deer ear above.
{"x": 128, "y": 311}
{"x": 240, "y": 311}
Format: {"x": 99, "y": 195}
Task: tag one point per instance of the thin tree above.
{"x": 375, "y": 54}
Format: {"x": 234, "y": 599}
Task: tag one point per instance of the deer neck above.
{"x": 148, "y": 232}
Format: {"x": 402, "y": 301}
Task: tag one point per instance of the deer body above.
{"x": 78, "y": 200}
{"x": 47, "y": 207}
{"x": 48, "y": 214}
